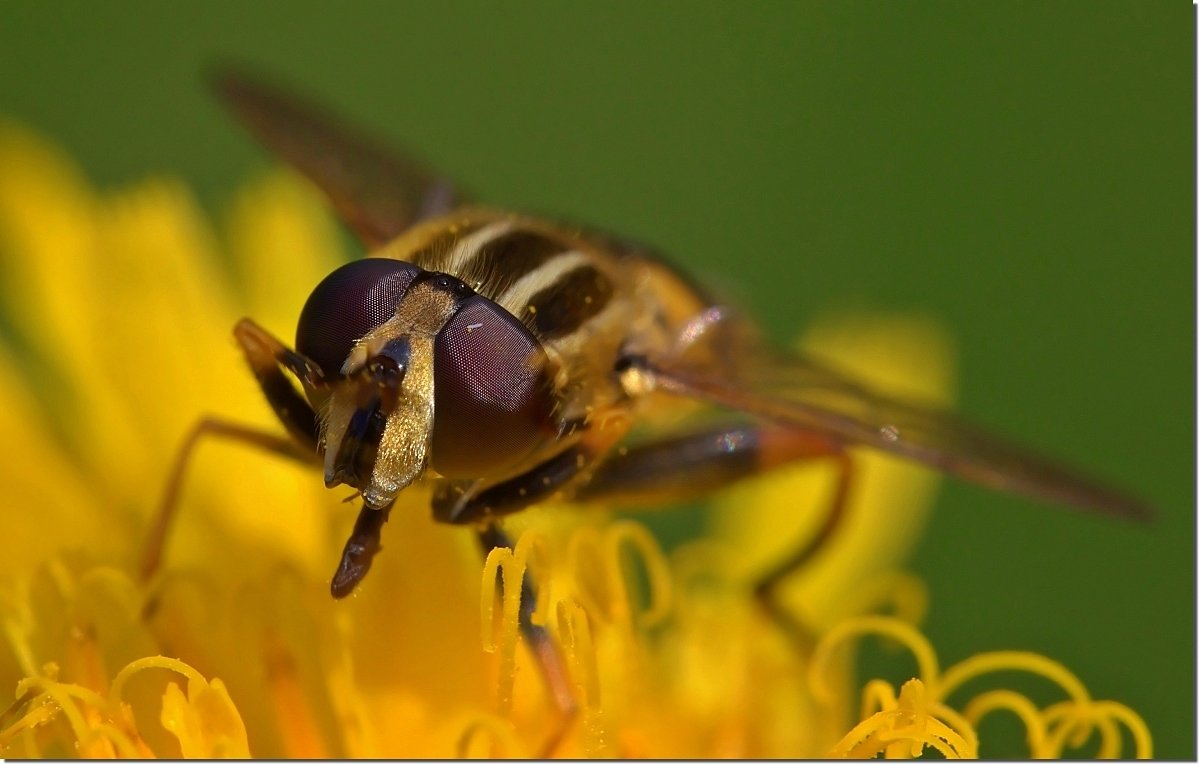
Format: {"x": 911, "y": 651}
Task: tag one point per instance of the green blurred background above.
{"x": 1021, "y": 171}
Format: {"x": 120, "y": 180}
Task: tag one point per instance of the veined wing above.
{"x": 377, "y": 191}
{"x": 803, "y": 392}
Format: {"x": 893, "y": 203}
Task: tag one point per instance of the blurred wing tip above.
{"x": 1134, "y": 509}
{"x": 224, "y": 78}
{"x": 1115, "y": 504}
{"x": 247, "y": 94}
{"x": 225, "y": 74}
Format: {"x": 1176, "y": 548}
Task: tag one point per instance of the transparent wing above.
{"x": 807, "y": 393}
{"x": 377, "y": 191}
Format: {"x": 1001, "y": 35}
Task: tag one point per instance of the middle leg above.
{"x": 541, "y": 644}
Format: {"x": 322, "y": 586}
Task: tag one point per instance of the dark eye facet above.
{"x": 348, "y": 304}
{"x": 493, "y": 401}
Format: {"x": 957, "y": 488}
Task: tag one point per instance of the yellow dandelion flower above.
{"x": 116, "y": 317}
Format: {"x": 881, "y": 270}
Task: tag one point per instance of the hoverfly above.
{"x": 503, "y": 358}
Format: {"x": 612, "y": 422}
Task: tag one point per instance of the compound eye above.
{"x": 493, "y": 403}
{"x": 346, "y": 305}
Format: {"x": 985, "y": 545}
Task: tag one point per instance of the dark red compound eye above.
{"x": 493, "y": 403}
{"x": 346, "y": 305}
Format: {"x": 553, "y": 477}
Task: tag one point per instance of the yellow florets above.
{"x": 235, "y": 649}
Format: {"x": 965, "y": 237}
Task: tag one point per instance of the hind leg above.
{"x": 694, "y": 464}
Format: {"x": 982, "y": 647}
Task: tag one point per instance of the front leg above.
{"x": 268, "y": 358}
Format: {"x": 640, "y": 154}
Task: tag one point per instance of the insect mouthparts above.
{"x": 356, "y": 450}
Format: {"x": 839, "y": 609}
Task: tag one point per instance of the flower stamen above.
{"x": 920, "y": 718}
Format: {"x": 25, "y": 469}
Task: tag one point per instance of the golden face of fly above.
{"x": 416, "y": 366}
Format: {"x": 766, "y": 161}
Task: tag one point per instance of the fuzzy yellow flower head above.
{"x": 116, "y": 317}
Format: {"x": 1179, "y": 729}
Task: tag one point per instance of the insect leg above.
{"x": 268, "y": 358}
{"x": 545, "y": 652}
{"x": 766, "y": 588}
{"x": 694, "y": 464}
{"x": 470, "y": 502}
{"x": 164, "y": 516}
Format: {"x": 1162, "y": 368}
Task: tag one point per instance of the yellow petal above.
{"x": 283, "y": 243}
